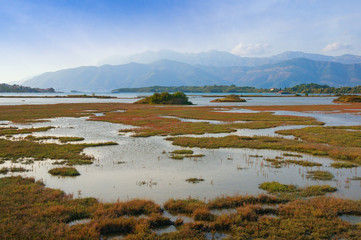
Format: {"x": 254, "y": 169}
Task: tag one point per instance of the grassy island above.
{"x": 64, "y": 171}
{"x": 348, "y": 99}
{"x": 230, "y": 98}
{"x": 177, "y": 98}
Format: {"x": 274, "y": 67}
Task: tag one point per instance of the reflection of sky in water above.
{"x": 226, "y": 171}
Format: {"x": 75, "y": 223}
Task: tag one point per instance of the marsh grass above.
{"x": 183, "y": 151}
{"x": 29, "y": 210}
{"x": 13, "y": 130}
{"x": 351, "y": 154}
{"x": 4, "y": 170}
{"x": 292, "y": 155}
{"x": 64, "y": 171}
{"x": 230, "y": 98}
{"x": 293, "y": 191}
{"x": 320, "y": 175}
{"x": 177, "y": 157}
{"x": 14, "y": 150}
{"x": 61, "y": 139}
{"x": 303, "y": 163}
{"x": 194, "y": 180}
{"x": 343, "y": 165}
{"x": 348, "y": 99}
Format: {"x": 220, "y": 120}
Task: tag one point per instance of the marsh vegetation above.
{"x": 266, "y": 162}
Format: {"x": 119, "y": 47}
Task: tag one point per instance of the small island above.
{"x": 230, "y": 98}
{"x": 177, "y": 98}
{"x": 6, "y": 88}
{"x": 348, "y": 99}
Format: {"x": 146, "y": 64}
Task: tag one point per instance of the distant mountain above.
{"x": 171, "y": 73}
{"x": 108, "y": 77}
{"x": 224, "y": 59}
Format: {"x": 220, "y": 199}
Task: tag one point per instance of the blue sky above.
{"x": 38, "y": 35}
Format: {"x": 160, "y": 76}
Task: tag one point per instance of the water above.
{"x": 226, "y": 171}
{"x": 196, "y": 98}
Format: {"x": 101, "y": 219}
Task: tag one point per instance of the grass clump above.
{"x": 343, "y": 165}
{"x": 183, "y": 151}
{"x": 293, "y": 191}
{"x": 64, "y": 171}
{"x": 178, "y": 98}
{"x": 303, "y": 163}
{"x": 14, "y": 150}
{"x": 320, "y": 175}
{"x": 4, "y": 170}
{"x": 292, "y": 155}
{"x": 177, "y": 157}
{"x": 13, "y": 130}
{"x": 29, "y": 210}
{"x": 348, "y": 99}
{"x": 230, "y": 98}
{"x": 18, "y": 169}
{"x": 276, "y": 187}
{"x": 194, "y": 180}
{"x": 347, "y": 153}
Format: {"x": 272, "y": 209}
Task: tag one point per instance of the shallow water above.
{"x": 148, "y": 173}
{"x": 351, "y": 218}
{"x": 196, "y": 99}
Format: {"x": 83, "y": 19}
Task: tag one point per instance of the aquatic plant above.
{"x": 194, "y": 180}
{"x": 64, "y": 171}
{"x": 30, "y": 210}
{"x": 319, "y": 175}
{"x": 346, "y": 153}
{"x": 28, "y": 149}
{"x": 343, "y": 165}
{"x": 183, "y": 151}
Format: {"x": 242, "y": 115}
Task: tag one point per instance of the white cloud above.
{"x": 250, "y": 49}
{"x": 336, "y": 46}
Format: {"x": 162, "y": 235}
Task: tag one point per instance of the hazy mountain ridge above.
{"x": 225, "y": 59}
{"x": 171, "y": 73}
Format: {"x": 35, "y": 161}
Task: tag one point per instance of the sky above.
{"x": 39, "y": 36}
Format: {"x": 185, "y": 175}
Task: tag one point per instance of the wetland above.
{"x": 111, "y": 169}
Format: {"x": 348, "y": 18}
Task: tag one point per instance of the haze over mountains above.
{"x": 169, "y": 68}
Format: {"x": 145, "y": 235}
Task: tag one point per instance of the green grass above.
{"x": 343, "y": 165}
{"x": 293, "y": 191}
{"x": 320, "y": 175}
{"x": 276, "y": 187}
{"x": 72, "y": 153}
{"x": 12, "y": 131}
{"x": 177, "y": 157}
{"x": 64, "y": 171}
{"x": 183, "y": 151}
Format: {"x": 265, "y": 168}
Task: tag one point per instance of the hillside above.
{"x": 22, "y": 89}
{"x": 171, "y": 73}
{"x": 224, "y": 59}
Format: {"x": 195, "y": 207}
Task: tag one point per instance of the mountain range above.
{"x": 168, "y": 68}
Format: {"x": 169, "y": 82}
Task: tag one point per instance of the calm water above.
{"x": 197, "y": 99}
{"x": 138, "y": 168}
